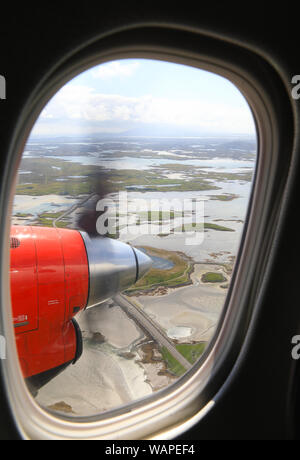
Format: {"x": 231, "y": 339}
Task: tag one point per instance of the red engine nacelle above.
{"x": 55, "y": 273}
{"x": 49, "y": 285}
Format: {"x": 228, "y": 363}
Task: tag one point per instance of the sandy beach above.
{"x": 193, "y": 310}
{"x": 121, "y": 362}
{"x": 122, "y": 367}
{"x": 101, "y": 380}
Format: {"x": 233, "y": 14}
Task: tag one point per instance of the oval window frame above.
{"x": 191, "y": 398}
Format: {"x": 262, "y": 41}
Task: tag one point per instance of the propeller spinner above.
{"x": 113, "y": 267}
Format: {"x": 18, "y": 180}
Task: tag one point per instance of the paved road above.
{"x": 143, "y": 319}
{"x": 137, "y": 312}
{"x": 73, "y": 208}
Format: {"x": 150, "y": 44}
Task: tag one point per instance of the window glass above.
{"x": 128, "y": 213}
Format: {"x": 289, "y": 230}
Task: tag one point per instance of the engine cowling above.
{"x": 55, "y": 274}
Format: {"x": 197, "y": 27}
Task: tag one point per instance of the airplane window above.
{"x": 130, "y": 204}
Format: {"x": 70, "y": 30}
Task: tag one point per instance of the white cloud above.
{"x": 82, "y": 104}
{"x": 114, "y": 69}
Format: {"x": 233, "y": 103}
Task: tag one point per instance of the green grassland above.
{"x": 23, "y": 215}
{"x": 48, "y": 176}
{"x": 55, "y": 177}
{"x": 178, "y": 275}
{"x": 225, "y": 197}
{"x": 191, "y": 351}
{"x": 46, "y": 219}
{"x": 212, "y": 277}
{"x": 55, "y": 188}
{"x": 220, "y": 228}
{"x": 194, "y": 173}
{"x": 198, "y": 227}
{"x": 159, "y": 217}
{"x": 173, "y": 366}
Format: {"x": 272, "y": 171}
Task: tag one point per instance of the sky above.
{"x": 141, "y": 96}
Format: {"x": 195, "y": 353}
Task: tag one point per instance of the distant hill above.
{"x": 240, "y": 144}
{"x": 147, "y": 130}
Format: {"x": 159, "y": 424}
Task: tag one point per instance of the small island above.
{"x": 212, "y": 277}
{"x": 176, "y": 274}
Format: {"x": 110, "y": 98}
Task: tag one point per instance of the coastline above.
{"x": 114, "y": 371}
{"x": 194, "y": 314}
{"x": 121, "y": 363}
